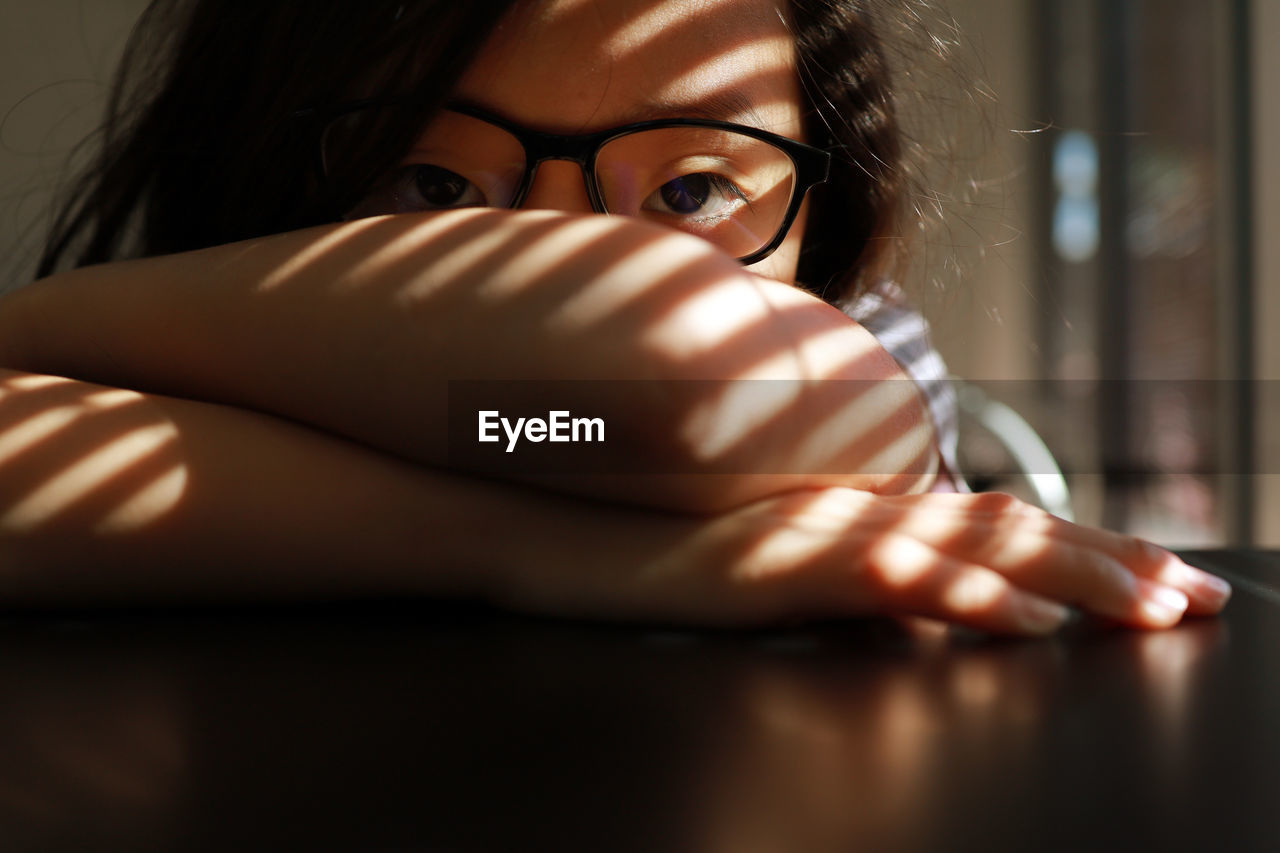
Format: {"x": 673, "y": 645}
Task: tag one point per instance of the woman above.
{"x": 286, "y": 428}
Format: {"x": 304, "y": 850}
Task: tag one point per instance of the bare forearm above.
{"x": 110, "y": 496}
{"x": 358, "y": 329}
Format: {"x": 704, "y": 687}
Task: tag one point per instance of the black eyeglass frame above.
{"x": 812, "y": 165}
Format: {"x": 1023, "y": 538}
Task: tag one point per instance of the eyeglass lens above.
{"x": 729, "y": 188}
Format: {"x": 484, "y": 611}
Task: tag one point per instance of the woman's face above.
{"x": 578, "y": 66}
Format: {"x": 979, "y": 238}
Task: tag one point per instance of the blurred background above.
{"x": 1117, "y": 284}
{"x": 1104, "y": 265}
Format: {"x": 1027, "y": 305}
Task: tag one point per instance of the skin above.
{"x": 256, "y": 459}
{"x": 604, "y": 52}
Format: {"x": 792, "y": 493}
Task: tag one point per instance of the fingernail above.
{"x": 1041, "y": 616}
{"x": 1162, "y": 603}
{"x": 1207, "y": 590}
{"x": 1212, "y": 586}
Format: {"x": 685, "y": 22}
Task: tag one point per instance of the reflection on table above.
{"x": 410, "y": 726}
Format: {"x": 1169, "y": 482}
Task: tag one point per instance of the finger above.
{"x": 1026, "y": 551}
{"x": 912, "y": 578}
{"x": 1206, "y": 593}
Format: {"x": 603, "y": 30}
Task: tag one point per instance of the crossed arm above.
{"x": 284, "y": 438}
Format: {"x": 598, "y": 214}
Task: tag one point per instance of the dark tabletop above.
{"x": 387, "y": 727}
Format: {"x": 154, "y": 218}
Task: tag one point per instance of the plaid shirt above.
{"x": 904, "y": 334}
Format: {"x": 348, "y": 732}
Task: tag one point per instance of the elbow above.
{"x": 874, "y": 437}
{"x": 796, "y": 397}
{"x": 714, "y": 445}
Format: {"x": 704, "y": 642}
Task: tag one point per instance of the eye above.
{"x": 419, "y": 187}
{"x": 438, "y": 188}
{"x": 699, "y": 193}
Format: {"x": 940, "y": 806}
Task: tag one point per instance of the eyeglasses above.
{"x": 736, "y": 186}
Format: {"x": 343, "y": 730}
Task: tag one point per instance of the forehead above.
{"x": 580, "y": 65}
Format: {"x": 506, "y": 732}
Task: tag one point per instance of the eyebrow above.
{"x": 721, "y": 105}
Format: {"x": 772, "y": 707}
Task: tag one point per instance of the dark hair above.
{"x": 176, "y": 168}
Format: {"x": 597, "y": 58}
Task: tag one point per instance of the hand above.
{"x": 987, "y": 561}
{"x": 275, "y": 510}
